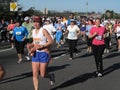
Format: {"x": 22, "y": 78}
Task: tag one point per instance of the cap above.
{"x": 59, "y": 19}
{"x": 26, "y": 18}
{"x": 72, "y": 20}
{"x": 48, "y": 19}
{"x": 37, "y": 19}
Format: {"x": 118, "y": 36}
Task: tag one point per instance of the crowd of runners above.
{"x": 39, "y": 33}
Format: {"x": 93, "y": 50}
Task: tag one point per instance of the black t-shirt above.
{"x": 3, "y": 27}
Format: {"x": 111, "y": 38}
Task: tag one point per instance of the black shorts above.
{"x": 118, "y": 37}
{"x": 30, "y": 40}
{"x": 89, "y": 41}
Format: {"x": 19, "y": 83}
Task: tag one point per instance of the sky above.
{"x": 72, "y": 5}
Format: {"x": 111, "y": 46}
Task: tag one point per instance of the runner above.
{"x": 73, "y": 32}
{"x": 98, "y": 45}
{"x": 29, "y": 25}
{"x": 19, "y": 35}
{"x": 40, "y": 52}
{"x": 10, "y": 28}
{"x": 49, "y": 27}
{"x": 117, "y": 31}
{"x": 83, "y": 29}
{"x": 59, "y": 33}
{"x": 89, "y": 41}
{"x": 108, "y": 32}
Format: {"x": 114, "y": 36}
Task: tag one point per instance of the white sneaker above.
{"x": 3, "y": 41}
{"x": 12, "y": 47}
{"x": 70, "y": 58}
{"x": 27, "y": 57}
{"x": 76, "y": 54}
{"x": 19, "y": 61}
{"x": 118, "y": 50}
{"x": 52, "y": 79}
{"x": 110, "y": 44}
{"x": 107, "y": 51}
{"x": 99, "y": 75}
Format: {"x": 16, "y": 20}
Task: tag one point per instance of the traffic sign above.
{"x": 13, "y": 6}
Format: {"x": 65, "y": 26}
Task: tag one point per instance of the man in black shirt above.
{"x": 3, "y": 30}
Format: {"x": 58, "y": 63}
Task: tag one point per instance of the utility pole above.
{"x": 104, "y": 14}
{"x": 87, "y": 9}
{"x": 13, "y": 8}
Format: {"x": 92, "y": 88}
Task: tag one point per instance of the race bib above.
{"x": 72, "y": 34}
{"x": 98, "y": 37}
{"x": 18, "y": 33}
{"x": 37, "y": 40}
{"x": 11, "y": 32}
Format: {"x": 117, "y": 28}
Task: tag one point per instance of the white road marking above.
{"x": 5, "y": 50}
{"x": 60, "y": 56}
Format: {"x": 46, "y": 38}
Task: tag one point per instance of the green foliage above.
{"x": 5, "y": 10}
{"x": 110, "y": 14}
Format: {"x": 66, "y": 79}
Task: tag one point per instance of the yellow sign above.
{"x": 13, "y": 6}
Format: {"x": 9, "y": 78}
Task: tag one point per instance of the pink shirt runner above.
{"x": 100, "y": 30}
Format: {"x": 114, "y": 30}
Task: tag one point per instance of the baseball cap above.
{"x": 48, "y": 19}
{"x": 72, "y": 20}
{"x": 37, "y": 19}
{"x": 59, "y": 19}
{"x": 26, "y": 18}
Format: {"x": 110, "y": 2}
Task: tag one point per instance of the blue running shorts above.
{"x": 42, "y": 57}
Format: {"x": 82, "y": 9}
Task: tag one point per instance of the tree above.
{"x": 5, "y": 9}
{"x": 110, "y": 14}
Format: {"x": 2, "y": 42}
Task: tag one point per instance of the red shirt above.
{"x": 11, "y": 26}
{"x": 100, "y": 31}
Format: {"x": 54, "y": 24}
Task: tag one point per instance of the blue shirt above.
{"x": 88, "y": 28}
{"x": 61, "y": 25}
{"x": 19, "y": 33}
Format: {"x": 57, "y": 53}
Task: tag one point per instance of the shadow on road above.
{"x": 84, "y": 55}
{"x": 29, "y": 74}
{"x": 111, "y": 69}
{"x": 112, "y": 55}
{"x": 17, "y": 77}
{"x": 55, "y": 68}
{"x": 75, "y": 80}
{"x": 86, "y": 76}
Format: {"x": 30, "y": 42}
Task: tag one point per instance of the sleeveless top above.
{"x": 39, "y": 38}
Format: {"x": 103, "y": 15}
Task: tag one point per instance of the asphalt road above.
{"x": 76, "y": 74}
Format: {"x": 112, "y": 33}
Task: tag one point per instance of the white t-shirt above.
{"x": 73, "y": 32}
{"x": 51, "y": 29}
{"x": 118, "y": 31}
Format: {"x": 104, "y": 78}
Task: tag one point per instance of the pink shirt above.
{"x": 100, "y": 30}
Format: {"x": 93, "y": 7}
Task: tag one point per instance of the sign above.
{"x": 13, "y": 6}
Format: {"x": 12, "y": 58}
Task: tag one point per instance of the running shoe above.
{"x": 27, "y": 57}
{"x": 19, "y": 61}
{"x": 52, "y": 79}
{"x": 99, "y": 75}
{"x": 70, "y": 58}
